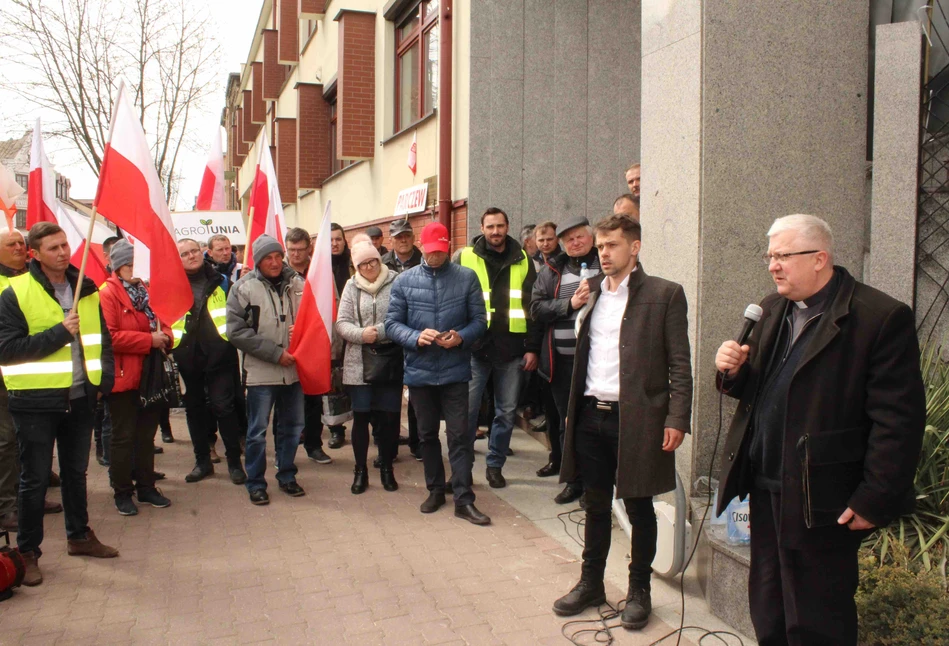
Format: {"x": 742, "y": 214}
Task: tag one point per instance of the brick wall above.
{"x": 285, "y": 161}
{"x": 288, "y": 32}
{"x": 249, "y": 128}
{"x": 313, "y": 136}
{"x": 273, "y": 73}
{"x": 356, "y": 86}
{"x": 258, "y": 107}
{"x": 242, "y": 147}
{"x": 459, "y": 232}
{"x": 312, "y": 9}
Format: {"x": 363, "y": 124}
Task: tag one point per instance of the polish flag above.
{"x": 312, "y": 332}
{"x": 211, "y": 194}
{"x": 265, "y": 206}
{"x": 131, "y": 196}
{"x": 44, "y": 206}
{"x": 412, "y": 161}
{"x": 9, "y": 191}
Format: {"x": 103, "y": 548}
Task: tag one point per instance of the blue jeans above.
{"x": 287, "y": 428}
{"x": 507, "y": 388}
{"x": 36, "y": 432}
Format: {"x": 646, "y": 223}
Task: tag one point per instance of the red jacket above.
{"x": 131, "y": 334}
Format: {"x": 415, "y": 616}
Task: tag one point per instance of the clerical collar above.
{"x": 822, "y": 295}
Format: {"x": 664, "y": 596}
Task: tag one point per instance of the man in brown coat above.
{"x": 630, "y": 408}
{"x": 826, "y": 436}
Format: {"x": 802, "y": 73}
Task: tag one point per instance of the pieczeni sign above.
{"x": 411, "y": 200}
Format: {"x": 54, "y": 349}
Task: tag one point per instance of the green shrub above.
{"x": 901, "y": 604}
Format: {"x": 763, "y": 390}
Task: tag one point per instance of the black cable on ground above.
{"x": 600, "y": 629}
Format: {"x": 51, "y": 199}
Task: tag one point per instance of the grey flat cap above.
{"x": 571, "y": 223}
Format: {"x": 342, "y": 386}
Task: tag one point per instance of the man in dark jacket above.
{"x": 223, "y": 259}
{"x": 436, "y": 313}
{"x": 506, "y": 275}
{"x": 557, "y": 298}
{"x": 375, "y": 237}
{"x": 629, "y": 410}
{"x": 56, "y": 360}
{"x": 336, "y": 400}
{"x": 207, "y": 362}
{"x": 826, "y": 437}
{"x": 405, "y": 255}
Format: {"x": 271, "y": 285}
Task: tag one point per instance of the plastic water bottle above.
{"x": 737, "y": 522}
{"x": 586, "y": 272}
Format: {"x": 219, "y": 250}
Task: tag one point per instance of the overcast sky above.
{"x": 236, "y": 21}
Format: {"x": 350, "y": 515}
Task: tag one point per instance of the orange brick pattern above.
{"x": 288, "y": 32}
{"x": 286, "y": 159}
{"x": 273, "y": 73}
{"x": 242, "y": 146}
{"x": 250, "y": 128}
{"x": 312, "y": 8}
{"x": 356, "y": 86}
{"x": 313, "y": 136}
{"x": 258, "y": 107}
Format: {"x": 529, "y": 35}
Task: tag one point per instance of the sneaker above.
{"x": 292, "y": 489}
{"x": 125, "y": 506}
{"x": 259, "y": 497}
{"x": 319, "y": 456}
{"x": 154, "y": 498}
{"x": 215, "y": 458}
{"x": 416, "y": 453}
{"x": 90, "y": 546}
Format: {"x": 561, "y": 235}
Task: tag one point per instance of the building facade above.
{"x": 15, "y": 155}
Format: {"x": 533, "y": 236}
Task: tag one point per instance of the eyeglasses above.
{"x": 783, "y": 257}
{"x": 369, "y": 264}
{"x": 190, "y": 252}
{"x": 297, "y": 249}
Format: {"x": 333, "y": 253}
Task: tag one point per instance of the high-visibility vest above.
{"x": 4, "y": 283}
{"x": 217, "y": 308}
{"x": 42, "y": 312}
{"x": 517, "y": 321}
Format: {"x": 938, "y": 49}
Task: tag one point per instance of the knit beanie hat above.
{"x": 363, "y": 251}
{"x": 263, "y": 246}
{"x": 121, "y": 254}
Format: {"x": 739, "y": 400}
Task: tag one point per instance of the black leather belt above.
{"x": 611, "y": 407}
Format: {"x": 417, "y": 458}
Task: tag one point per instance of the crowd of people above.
{"x": 563, "y": 320}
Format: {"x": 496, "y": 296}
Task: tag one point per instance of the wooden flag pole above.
{"x": 85, "y": 259}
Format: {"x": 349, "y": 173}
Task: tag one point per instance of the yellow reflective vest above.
{"x": 217, "y": 308}
{"x": 517, "y": 320}
{"x": 42, "y": 312}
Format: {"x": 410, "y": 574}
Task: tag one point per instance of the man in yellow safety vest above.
{"x": 207, "y": 361}
{"x": 512, "y": 342}
{"x": 56, "y": 361}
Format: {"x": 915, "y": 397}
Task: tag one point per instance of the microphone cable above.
{"x": 600, "y": 629}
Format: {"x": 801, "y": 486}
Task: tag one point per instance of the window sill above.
{"x": 341, "y": 171}
{"x": 411, "y": 126}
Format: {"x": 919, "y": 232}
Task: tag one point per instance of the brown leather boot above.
{"x": 90, "y": 546}
{"x": 31, "y": 575}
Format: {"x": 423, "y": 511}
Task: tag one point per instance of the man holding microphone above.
{"x": 826, "y": 436}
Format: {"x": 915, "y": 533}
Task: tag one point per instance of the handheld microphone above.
{"x": 752, "y": 315}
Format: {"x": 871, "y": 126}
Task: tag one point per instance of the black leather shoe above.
{"x": 388, "y": 479}
{"x": 360, "y": 480}
{"x": 54, "y": 479}
{"x": 570, "y": 493}
{"x": 158, "y": 450}
{"x": 509, "y": 452}
{"x": 471, "y": 514}
{"x": 166, "y": 436}
{"x": 200, "y": 472}
{"x": 259, "y": 497}
{"x": 434, "y": 501}
{"x": 237, "y": 475}
{"x": 403, "y": 440}
{"x": 494, "y": 478}
{"x": 549, "y": 469}
{"x": 159, "y": 475}
{"x": 292, "y": 489}
{"x": 416, "y": 453}
{"x": 584, "y": 595}
{"x": 638, "y": 606}
{"x": 337, "y": 440}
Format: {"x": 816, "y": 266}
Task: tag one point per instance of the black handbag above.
{"x": 159, "y": 385}
{"x": 382, "y": 363}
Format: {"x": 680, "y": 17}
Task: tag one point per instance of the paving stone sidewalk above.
{"x": 327, "y": 568}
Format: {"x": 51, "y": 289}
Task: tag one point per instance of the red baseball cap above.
{"x": 435, "y": 238}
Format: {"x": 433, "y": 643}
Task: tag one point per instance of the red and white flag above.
{"x": 266, "y": 207}
{"x": 312, "y": 332}
{"x": 132, "y": 197}
{"x": 211, "y": 193}
{"x": 9, "y": 191}
{"x": 43, "y": 206}
{"x": 412, "y": 161}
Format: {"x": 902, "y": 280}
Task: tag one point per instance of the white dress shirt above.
{"x": 605, "y": 322}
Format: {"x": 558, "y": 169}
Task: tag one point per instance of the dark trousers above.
{"x": 211, "y": 396}
{"x": 313, "y": 422}
{"x": 552, "y": 415}
{"x": 133, "y": 442}
{"x": 36, "y": 432}
{"x": 560, "y": 391}
{"x": 432, "y": 403}
{"x": 385, "y": 429}
{"x": 596, "y": 446}
{"x": 9, "y": 462}
{"x": 799, "y": 597}
{"x": 102, "y": 430}
{"x": 413, "y": 427}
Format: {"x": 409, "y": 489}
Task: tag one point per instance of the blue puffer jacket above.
{"x": 443, "y": 299}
